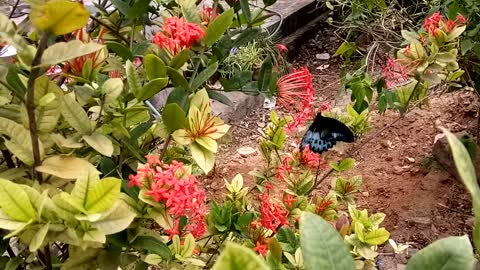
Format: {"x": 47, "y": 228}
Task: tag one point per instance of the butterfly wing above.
{"x": 324, "y": 133}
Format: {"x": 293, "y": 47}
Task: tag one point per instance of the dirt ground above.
{"x": 421, "y": 200}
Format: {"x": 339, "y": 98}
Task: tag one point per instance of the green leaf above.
{"x": 204, "y": 158}
{"x": 63, "y": 51}
{"x": 246, "y": 10}
{"x": 20, "y": 143}
{"x": 456, "y": 32}
{"x": 14, "y": 80}
{"x": 446, "y": 57}
{"x": 322, "y": 246}
{"x": 188, "y": 246}
{"x": 37, "y": 240}
{"x": 268, "y": 3}
{"x": 115, "y": 220}
{"x": 466, "y": 45}
{"x": 121, "y": 5}
{"x": 134, "y": 83}
{"x": 138, "y": 9}
{"x": 15, "y": 202}
{"x": 59, "y": 17}
{"x": 120, "y": 50}
{"x": 14, "y": 263}
{"x": 410, "y": 35}
{"x": 237, "y": 257}
{"x": 265, "y": 75}
{"x": 377, "y": 237}
{"x": 218, "y": 96}
{"x": 83, "y": 185}
{"x": 151, "y": 88}
{"x": 66, "y": 167}
{"x": 100, "y": 142}
{"x": 203, "y": 76}
{"x": 112, "y": 88}
{"x": 103, "y": 195}
{"x": 216, "y": 28}
{"x": 416, "y": 49}
{"x": 207, "y": 143}
{"x": 180, "y": 59}
{"x": 81, "y": 260}
{"x": 189, "y": 11}
{"x": 178, "y": 78}
{"x": 450, "y": 253}
{"x": 8, "y": 223}
{"x": 75, "y": 115}
{"x": 152, "y": 245}
{"x": 154, "y": 67}
{"x": 466, "y": 170}
{"x": 173, "y": 117}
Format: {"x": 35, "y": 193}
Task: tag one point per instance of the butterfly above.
{"x": 324, "y": 133}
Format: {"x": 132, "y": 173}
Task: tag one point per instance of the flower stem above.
{"x": 30, "y": 104}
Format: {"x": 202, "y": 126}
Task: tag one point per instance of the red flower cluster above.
{"x": 272, "y": 215}
{"x": 309, "y": 158}
{"x": 207, "y": 15}
{"x": 262, "y": 249}
{"x": 437, "y": 21}
{"x": 178, "y": 34}
{"x": 293, "y": 90}
{"x": 283, "y": 168}
{"x": 394, "y": 72}
{"x": 75, "y": 66}
{"x": 288, "y": 200}
{"x": 177, "y": 189}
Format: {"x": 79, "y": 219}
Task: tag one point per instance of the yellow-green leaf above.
{"x": 15, "y": 202}
{"x": 8, "y": 223}
{"x": 59, "y": 17}
{"x": 116, "y": 220}
{"x": 37, "y": 240}
{"x": 204, "y": 158}
{"x": 75, "y": 115}
{"x": 377, "y": 237}
{"x": 100, "y": 142}
{"x": 154, "y": 67}
{"x": 216, "y": 29}
{"x": 103, "y": 195}
{"x": 63, "y": 51}
{"x": 66, "y": 167}
{"x": 112, "y": 88}
{"x": 181, "y": 136}
{"x": 207, "y": 143}
{"x": 134, "y": 83}
{"x": 151, "y": 88}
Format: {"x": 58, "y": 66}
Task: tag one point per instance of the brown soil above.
{"x": 422, "y": 201}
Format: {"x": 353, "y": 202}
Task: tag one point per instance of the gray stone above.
{"x": 246, "y": 151}
{"x": 322, "y": 56}
{"x": 241, "y": 105}
{"x": 421, "y": 220}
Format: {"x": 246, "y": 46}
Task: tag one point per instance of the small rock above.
{"x": 365, "y": 193}
{"x": 246, "y": 151}
{"x": 322, "y": 67}
{"x": 261, "y": 124}
{"x": 421, "y": 220}
{"x": 322, "y": 56}
{"x": 409, "y": 159}
{"x": 388, "y": 158}
{"x": 397, "y": 170}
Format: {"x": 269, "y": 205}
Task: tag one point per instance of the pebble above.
{"x": 388, "y": 158}
{"x": 397, "y": 170}
{"x": 421, "y": 220}
{"x": 246, "y": 151}
{"x": 322, "y": 56}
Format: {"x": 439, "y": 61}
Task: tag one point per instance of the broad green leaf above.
{"x": 14, "y": 263}
{"x": 173, "y": 117}
{"x": 71, "y": 142}
{"x": 59, "y": 17}
{"x": 66, "y": 167}
{"x": 75, "y": 115}
{"x": 416, "y": 49}
{"x": 100, "y": 142}
{"x": 12, "y": 174}
{"x": 83, "y": 185}
{"x": 138, "y": 9}
{"x": 8, "y": 223}
{"x": 466, "y": 45}
{"x": 20, "y": 143}
{"x": 178, "y": 78}
{"x": 201, "y": 101}
{"x": 94, "y": 236}
{"x": 63, "y": 51}
{"x": 456, "y": 32}
{"x": 204, "y": 158}
{"x": 237, "y": 257}
{"x": 81, "y": 260}
{"x": 15, "y": 202}
{"x": 152, "y": 245}
{"x": 154, "y": 67}
{"x": 216, "y": 28}
{"x": 246, "y": 10}
{"x": 322, "y": 246}
{"x": 6, "y": 25}
{"x": 116, "y": 220}
{"x": 410, "y": 35}
{"x": 112, "y": 88}
{"x": 182, "y": 137}
{"x": 134, "y": 83}
{"x": 37, "y": 240}
{"x": 207, "y": 143}
{"x": 103, "y": 195}
{"x": 203, "y": 76}
{"x": 265, "y": 75}
{"x": 445, "y": 57}
{"x": 450, "y": 253}
{"x": 120, "y": 50}
{"x": 189, "y": 11}
{"x": 377, "y": 237}
{"x": 151, "y": 88}
{"x": 466, "y": 170}
{"x": 180, "y": 59}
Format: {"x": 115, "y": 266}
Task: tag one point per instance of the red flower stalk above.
{"x": 178, "y": 34}
{"x": 295, "y": 93}
{"x": 207, "y": 15}
{"x": 272, "y": 215}
{"x": 282, "y": 48}
{"x": 173, "y": 186}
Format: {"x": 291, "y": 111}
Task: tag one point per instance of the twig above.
{"x": 115, "y": 33}
{"x": 30, "y": 104}
{"x": 8, "y": 158}
{"x": 215, "y": 251}
{"x": 13, "y": 9}
{"x": 48, "y": 258}
{"x": 165, "y": 146}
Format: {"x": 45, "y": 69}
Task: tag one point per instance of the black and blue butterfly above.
{"x": 324, "y": 133}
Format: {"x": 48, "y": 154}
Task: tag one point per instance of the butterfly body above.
{"x": 324, "y": 133}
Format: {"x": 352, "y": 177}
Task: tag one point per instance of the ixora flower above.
{"x": 272, "y": 215}
{"x": 436, "y": 23}
{"x": 282, "y": 48}
{"x": 295, "y": 93}
{"x": 201, "y": 131}
{"x": 178, "y": 34}
{"x": 207, "y": 14}
{"x": 173, "y": 185}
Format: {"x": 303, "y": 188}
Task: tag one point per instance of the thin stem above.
{"x": 30, "y": 104}
{"x": 13, "y": 9}
{"x": 132, "y": 35}
{"x": 165, "y": 147}
{"x": 114, "y": 32}
{"x": 48, "y": 258}
{"x": 8, "y": 158}
{"x": 215, "y": 251}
